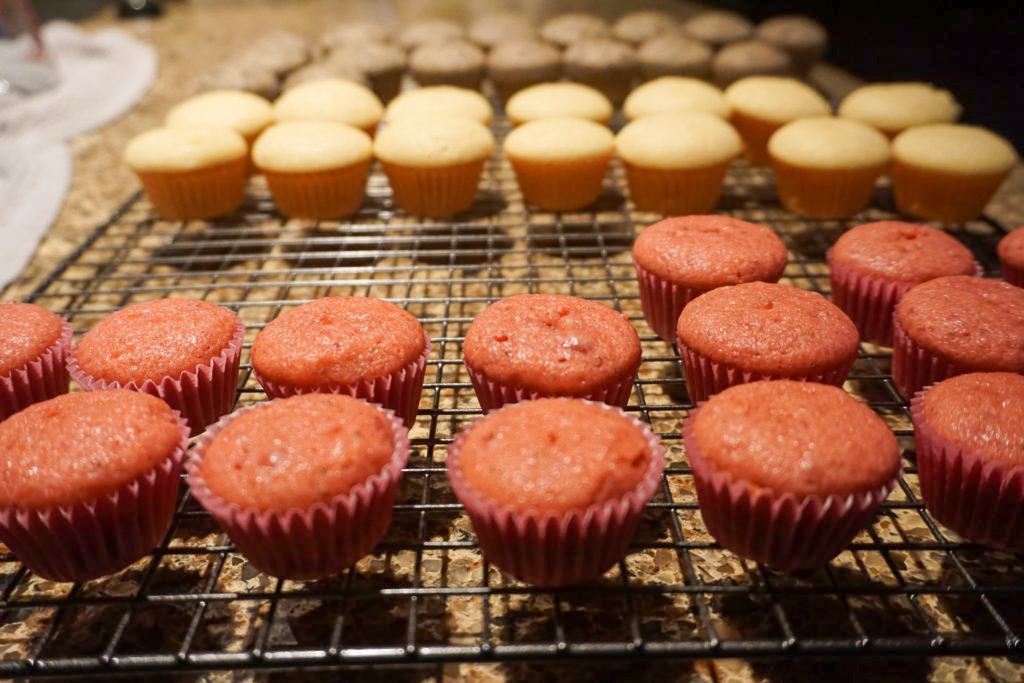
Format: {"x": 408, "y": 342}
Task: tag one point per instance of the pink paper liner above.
{"x": 309, "y": 543}
{"x": 1013, "y": 274}
{"x": 981, "y": 501}
{"x": 913, "y": 366}
{"x": 705, "y": 377}
{"x": 783, "y": 531}
{"x": 201, "y": 396}
{"x": 41, "y": 378}
{"x": 399, "y": 392}
{"x": 547, "y": 549}
{"x": 101, "y": 536}
{"x": 662, "y": 301}
{"x": 493, "y": 395}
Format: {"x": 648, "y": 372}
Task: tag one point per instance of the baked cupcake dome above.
{"x": 565, "y": 29}
{"x": 1011, "y": 257}
{"x": 642, "y": 25}
{"x": 498, "y": 27}
{"x": 758, "y": 330}
{"x": 331, "y": 99}
{"x": 380, "y": 64}
{"x": 440, "y": 100}
{"x": 34, "y": 345}
{"x": 678, "y": 259}
{"x": 760, "y": 105}
{"x": 749, "y": 58}
{"x": 674, "y": 54}
{"x": 787, "y": 473}
{"x": 516, "y": 64}
{"x": 801, "y": 37}
{"x": 243, "y": 112}
{"x": 606, "y": 64}
{"x": 675, "y": 95}
{"x": 432, "y": 30}
{"x": 551, "y": 100}
{"x": 456, "y": 62}
{"x": 894, "y": 107}
{"x": 718, "y": 27}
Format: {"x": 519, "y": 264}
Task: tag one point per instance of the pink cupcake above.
{"x": 969, "y": 432}
{"x": 88, "y": 482}
{"x": 873, "y": 265}
{"x": 181, "y": 350}
{"x": 34, "y": 345}
{"x": 555, "y": 487}
{"x": 304, "y": 486}
{"x": 678, "y": 259}
{"x": 1011, "y": 257}
{"x": 787, "y": 473}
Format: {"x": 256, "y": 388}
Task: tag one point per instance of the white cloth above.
{"x": 102, "y": 75}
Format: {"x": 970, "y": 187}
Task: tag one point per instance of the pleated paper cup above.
{"x": 914, "y": 367}
{"x": 825, "y": 192}
{"x": 755, "y": 132}
{"x": 41, "y": 378}
{"x": 662, "y": 301}
{"x": 493, "y": 395}
{"x": 197, "y": 194}
{"x": 319, "y": 195}
{"x": 1012, "y": 274}
{"x": 940, "y": 196}
{"x": 434, "y": 191}
{"x": 560, "y": 185}
{"x": 675, "y": 192}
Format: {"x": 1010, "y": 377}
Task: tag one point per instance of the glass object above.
{"x": 25, "y": 67}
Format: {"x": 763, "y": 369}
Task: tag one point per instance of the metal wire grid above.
{"x": 905, "y": 586}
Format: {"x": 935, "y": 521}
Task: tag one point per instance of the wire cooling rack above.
{"x": 905, "y": 586}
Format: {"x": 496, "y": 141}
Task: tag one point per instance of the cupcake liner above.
{"x": 547, "y": 549}
{"x": 1012, "y": 274}
{"x": 937, "y": 196}
{"x": 705, "y": 377}
{"x": 435, "y": 191}
{"x": 309, "y": 543}
{"x": 755, "y": 132}
{"x": 197, "y": 194}
{"x": 913, "y": 366}
{"x": 102, "y": 536}
{"x": 201, "y": 396}
{"x": 399, "y": 392}
{"x": 783, "y": 531}
{"x": 41, "y": 378}
{"x": 824, "y": 192}
{"x": 493, "y": 395}
{"x": 319, "y": 195}
{"x": 981, "y": 501}
{"x": 662, "y": 301}
{"x": 675, "y": 192}
{"x": 560, "y": 185}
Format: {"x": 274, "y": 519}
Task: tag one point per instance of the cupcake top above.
{"x": 982, "y": 413}
{"x": 894, "y": 107}
{"x": 674, "y": 54}
{"x": 243, "y": 112}
{"x": 440, "y": 100}
{"x": 280, "y": 51}
{"x": 674, "y": 94}
{"x": 370, "y": 57}
{"x": 802, "y": 438}
{"x": 902, "y": 252}
{"x": 978, "y": 324}
{"x": 956, "y": 149}
{"x": 719, "y": 27}
{"x": 1010, "y": 250}
{"x": 776, "y": 99}
{"x": 236, "y": 74}
{"x": 546, "y": 100}
{"x": 559, "y": 139}
{"x": 554, "y": 455}
{"x": 155, "y": 339}
{"x": 79, "y": 447}
{"x": 433, "y": 141}
{"x": 794, "y": 32}
{"x": 337, "y": 341}
{"x": 509, "y": 57}
{"x": 26, "y": 332}
{"x": 351, "y": 33}
{"x": 339, "y": 64}
{"x": 449, "y": 57}
{"x": 769, "y": 328}
{"x": 607, "y": 55}
{"x": 308, "y": 146}
{"x": 497, "y": 27}
{"x": 828, "y": 142}
{"x": 671, "y": 141}
{"x": 424, "y": 31}
{"x": 330, "y": 99}
{"x": 637, "y": 27}
{"x": 557, "y": 345}
{"x": 749, "y": 58}
{"x": 566, "y": 29}
{"x": 704, "y": 252}
{"x": 295, "y": 452}
{"x": 184, "y": 148}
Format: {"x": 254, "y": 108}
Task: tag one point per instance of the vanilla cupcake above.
{"x": 243, "y": 112}
{"x": 558, "y": 100}
{"x": 440, "y": 100}
{"x": 894, "y": 107}
{"x": 433, "y": 163}
{"x": 190, "y": 172}
{"x": 455, "y": 62}
{"x": 674, "y": 95}
{"x": 602, "y": 63}
{"x": 763, "y": 104}
{"x": 676, "y": 163}
{"x": 948, "y": 172}
{"x": 827, "y": 167}
{"x": 560, "y": 162}
{"x": 749, "y": 58}
{"x": 330, "y": 99}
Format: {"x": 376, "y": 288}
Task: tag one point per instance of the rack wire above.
{"x": 905, "y": 586}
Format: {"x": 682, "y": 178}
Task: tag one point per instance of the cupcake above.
{"x": 359, "y": 346}
{"x": 827, "y": 167}
{"x": 946, "y": 172}
{"x": 332, "y": 99}
{"x": 558, "y": 100}
{"x": 517, "y": 64}
{"x": 455, "y": 62}
{"x": 673, "y": 95}
{"x": 802, "y": 38}
{"x": 674, "y": 54}
{"x": 749, "y": 58}
{"x": 873, "y": 265}
{"x": 433, "y": 164}
{"x": 440, "y": 100}
{"x": 762, "y": 104}
{"x": 243, "y": 112}
{"x": 787, "y": 473}
{"x": 89, "y": 481}
{"x": 560, "y": 163}
{"x": 969, "y": 435}
{"x": 758, "y": 330}
{"x": 434, "y": 30}
{"x": 678, "y": 259}
{"x": 351, "y": 33}
{"x": 190, "y": 172}
{"x": 34, "y": 345}
{"x": 954, "y": 325}
{"x": 676, "y": 163}
{"x": 565, "y": 29}
{"x": 304, "y": 486}
{"x": 280, "y": 51}
{"x": 315, "y": 169}
{"x": 555, "y": 487}
{"x": 602, "y": 63}
{"x": 642, "y": 25}
{"x": 233, "y": 74}
{"x": 338, "y": 65}
{"x": 1011, "y": 257}
{"x": 894, "y": 107}
{"x": 181, "y": 350}
{"x": 540, "y": 345}
{"x": 495, "y": 28}
{"x": 380, "y": 64}
{"x": 718, "y": 28}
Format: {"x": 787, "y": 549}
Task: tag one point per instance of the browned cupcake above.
{"x": 602, "y": 63}
{"x": 499, "y": 27}
{"x": 456, "y": 62}
{"x": 640, "y": 26}
{"x": 351, "y": 33}
{"x": 517, "y": 64}
{"x": 719, "y": 28}
{"x": 380, "y": 64}
{"x": 565, "y": 29}
{"x": 674, "y": 54}
{"x": 749, "y": 58}
{"x": 425, "y": 31}
{"x": 802, "y": 38}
